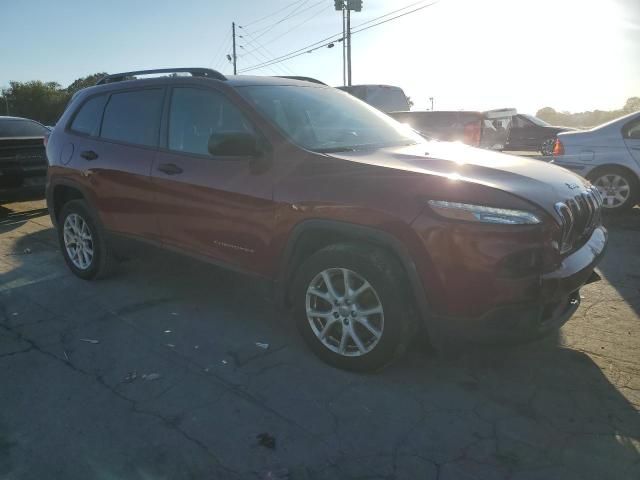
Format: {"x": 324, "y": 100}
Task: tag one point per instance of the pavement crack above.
{"x": 17, "y": 352}
{"x": 169, "y": 423}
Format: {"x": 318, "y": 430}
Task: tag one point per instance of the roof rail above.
{"x": 195, "y": 72}
{"x": 304, "y": 79}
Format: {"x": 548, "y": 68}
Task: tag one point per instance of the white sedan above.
{"x": 609, "y": 156}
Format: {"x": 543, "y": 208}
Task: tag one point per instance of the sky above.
{"x": 571, "y": 55}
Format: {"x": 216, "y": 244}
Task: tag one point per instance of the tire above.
{"x": 387, "y": 290}
{"x": 546, "y": 148}
{"x": 77, "y": 222}
{"x": 618, "y": 188}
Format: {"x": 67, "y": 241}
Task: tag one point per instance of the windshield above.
{"x": 327, "y": 120}
{"x": 537, "y": 121}
{"x": 21, "y": 128}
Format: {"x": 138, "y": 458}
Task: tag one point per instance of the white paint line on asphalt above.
{"x": 23, "y": 282}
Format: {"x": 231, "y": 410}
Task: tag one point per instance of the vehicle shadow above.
{"x": 539, "y": 410}
{"x": 549, "y": 407}
{"x": 11, "y": 219}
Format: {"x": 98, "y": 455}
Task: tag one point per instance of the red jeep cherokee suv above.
{"x": 368, "y": 230}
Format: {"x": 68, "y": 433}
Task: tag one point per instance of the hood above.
{"x": 535, "y": 181}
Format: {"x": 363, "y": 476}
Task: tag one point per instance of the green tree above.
{"x": 587, "y": 119}
{"x": 42, "y": 101}
{"x": 84, "y": 82}
{"x": 35, "y": 99}
{"x": 632, "y": 105}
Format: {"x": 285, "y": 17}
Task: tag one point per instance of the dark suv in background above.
{"x": 529, "y": 133}
{"x": 367, "y": 230}
{"x": 23, "y": 165}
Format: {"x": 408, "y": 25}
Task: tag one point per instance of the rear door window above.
{"x": 133, "y": 117}
{"x": 87, "y": 120}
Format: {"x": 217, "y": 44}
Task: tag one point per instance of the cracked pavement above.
{"x": 563, "y": 407}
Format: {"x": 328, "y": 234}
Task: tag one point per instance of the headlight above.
{"x": 480, "y": 213}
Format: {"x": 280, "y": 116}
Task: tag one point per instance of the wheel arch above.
{"x": 63, "y": 191}
{"x": 309, "y": 236}
{"x": 613, "y": 166}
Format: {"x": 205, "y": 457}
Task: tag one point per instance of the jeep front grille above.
{"x": 580, "y": 214}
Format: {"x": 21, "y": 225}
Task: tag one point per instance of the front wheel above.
{"x": 351, "y": 308}
{"x": 618, "y": 189}
{"x": 547, "y": 147}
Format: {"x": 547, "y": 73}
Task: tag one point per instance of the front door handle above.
{"x": 89, "y": 155}
{"x": 170, "y": 168}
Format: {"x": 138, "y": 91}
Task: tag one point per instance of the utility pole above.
{"x": 348, "y": 46}
{"x": 431, "y": 98}
{"x": 346, "y": 6}
{"x": 233, "y": 30}
{"x": 344, "y": 47}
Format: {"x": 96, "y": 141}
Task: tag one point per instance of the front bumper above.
{"x": 559, "y": 299}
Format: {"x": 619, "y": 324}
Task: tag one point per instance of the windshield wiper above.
{"x": 334, "y": 149}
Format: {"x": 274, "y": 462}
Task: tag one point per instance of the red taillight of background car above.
{"x": 558, "y": 148}
{"x": 472, "y": 134}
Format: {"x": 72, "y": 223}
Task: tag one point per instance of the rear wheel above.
{"x": 351, "y": 308}
{"x": 547, "y": 147}
{"x": 618, "y": 189}
{"x": 83, "y": 244}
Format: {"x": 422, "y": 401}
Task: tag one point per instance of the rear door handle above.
{"x": 89, "y": 155}
{"x": 170, "y": 168}
{"x": 635, "y": 148}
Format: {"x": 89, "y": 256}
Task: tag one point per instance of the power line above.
{"x": 296, "y": 11}
{"x": 313, "y": 16}
{"x": 221, "y": 49}
{"x": 262, "y": 60}
{"x": 331, "y": 39}
{"x": 391, "y": 13}
{"x": 301, "y": 50}
{"x": 267, "y": 55}
{"x": 272, "y": 14}
{"x": 393, "y": 18}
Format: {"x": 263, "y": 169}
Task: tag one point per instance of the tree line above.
{"x": 45, "y": 102}
{"x": 41, "y": 101}
{"x": 587, "y": 119}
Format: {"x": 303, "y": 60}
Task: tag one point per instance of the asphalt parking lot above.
{"x": 155, "y": 373}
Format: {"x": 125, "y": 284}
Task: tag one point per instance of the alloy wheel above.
{"x": 345, "y": 312}
{"x": 547, "y": 147}
{"x": 78, "y": 241}
{"x": 614, "y": 189}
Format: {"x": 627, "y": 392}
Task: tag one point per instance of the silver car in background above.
{"x": 607, "y": 155}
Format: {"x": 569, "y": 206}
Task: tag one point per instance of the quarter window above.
{"x": 133, "y": 117}
{"x": 632, "y": 130}
{"x": 196, "y": 114}
{"x": 87, "y": 120}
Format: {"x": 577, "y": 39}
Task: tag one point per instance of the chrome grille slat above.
{"x": 579, "y": 214}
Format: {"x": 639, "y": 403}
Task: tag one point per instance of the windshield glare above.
{"x": 324, "y": 119}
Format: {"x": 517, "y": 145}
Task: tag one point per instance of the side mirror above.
{"x": 233, "y": 144}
